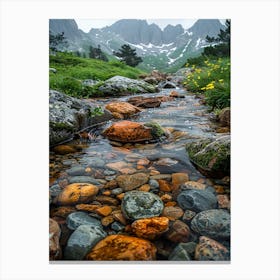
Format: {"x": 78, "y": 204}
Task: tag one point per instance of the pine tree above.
{"x": 96, "y": 53}
{"x": 57, "y": 42}
{"x": 128, "y": 55}
{"x": 223, "y": 43}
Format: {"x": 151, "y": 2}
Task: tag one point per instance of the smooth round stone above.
{"x": 139, "y": 205}
{"x": 76, "y": 171}
{"x": 76, "y": 219}
{"x": 68, "y": 162}
{"x": 154, "y": 184}
{"x": 182, "y": 252}
{"x": 82, "y": 240}
{"x": 55, "y": 190}
{"x": 83, "y": 179}
{"x": 117, "y": 226}
{"x": 109, "y": 172}
{"x": 213, "y": 223}
{"x": 211, "y": 250}
{"x": 197, "y": 200}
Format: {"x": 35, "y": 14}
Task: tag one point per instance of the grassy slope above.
{"x": 71, "y": 70}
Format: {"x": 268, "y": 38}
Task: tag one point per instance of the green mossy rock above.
{"x": 211, "y": 156}
{"x": 156, "y": 131}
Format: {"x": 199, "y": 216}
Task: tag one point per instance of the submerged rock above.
{"x": 211, "y": 250}
{"x": 122, "y": 247}
{"x": 127, "y": 131}
{"x": 183, "y": 252}
{"x": 131, "y": 182}
{"x": 76, "y": 193}
{"x": 197, "y": 200}
{"x": 82, "y": 240}
{"x": 211, "y": 156}
{"x": 138, "y": 205}
{"x": 76, "y": 219}
{"x": 213, "y": 223}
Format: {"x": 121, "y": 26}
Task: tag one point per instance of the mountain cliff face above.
{"x": 166, "y": 49}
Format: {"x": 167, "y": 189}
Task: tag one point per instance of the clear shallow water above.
{"x": 184, "y": 118}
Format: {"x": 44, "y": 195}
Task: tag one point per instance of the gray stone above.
{"x": 83, "y": 179}
{"x": 121, "y": 85}
{"x": 82, "y": 240}
{"x": 76, "y": 219}
{"x": 138, "y": 205}
{"x": 76, "y": 170}
{"x": 117, "y": 226}
{"x": 117, "y": 191}
{"x": 213, "y": 223}
{"x": 182, "y": 252}
{"x": 109, "y": 172}
{"x": 68, "y": 115}
{"x": 55, "y": 190}
{"x": 197, "y": 200}
{"x": 168, "y": 85}
{"x": 154, "y": 184}
{"x": 96, "y": 162}
{"x": 188, "y": 216}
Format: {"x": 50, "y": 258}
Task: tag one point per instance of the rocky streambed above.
{"x": 151, "y": 184}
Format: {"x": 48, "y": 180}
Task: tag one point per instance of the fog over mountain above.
{"x": 167, "y": 48}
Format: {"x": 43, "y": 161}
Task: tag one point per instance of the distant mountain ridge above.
{"x": 166, "y": 49}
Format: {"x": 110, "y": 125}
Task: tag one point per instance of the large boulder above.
{"x": 68, "y": 115}
{"x": 145, "y": 102}
{"x": 127, "y": 131}
{"x": 119, "y": 85}
{"x": 211, "y": 156}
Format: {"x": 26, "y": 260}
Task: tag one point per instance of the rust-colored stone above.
{"x": 122, "y": 247}
{"x": 144, "y": 188}
{"x": 128, "y": 170}
{"x": 117, "y": 165}
{"x": 150, "y": 228}
{"x": 131, "y": 182}
{"x": 87, "y": 207}
{"x": 178, "y": 232}
{"x": 107, "y": 193}
{"x": 166, "y": 197}
{"x": 54, "y": 235}
{"x": 164, "y": 186}
{"x": 104, "y": 211}
{"x": 120, "y": 196}
{"x": 118, "y": 216}
{"x": 174, "y": 94}
{"x": 172, "y": 213}
{"x": 145, "y": 102}
{"x": 127, "y": 131}
{"x": 62, "y": 211}
{"x": 223, "y": 201}
{"x": 106, "y": 221}
{"x": 111, "y": 185}
{"x": 121, "y": 110}
{"x": 143, "y": 161}
{"x": 107, "y": 200}
{"x": 170, "y": 203}
{"x": 76, "y": 193}
{"x": 178, "y": 179}
{"x": 64, "y": 149}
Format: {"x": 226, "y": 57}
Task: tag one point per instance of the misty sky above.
{"x": 87, "y": 24}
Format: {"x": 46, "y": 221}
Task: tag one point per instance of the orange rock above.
{"x": 111, "y": 185}
{"x": 118, "y": 216}
{"x": 117, "y": 165}
{"x": 143, "y": 161}
{"x": 166, "y": 197}
{"x": 121, "y": 150}
{"x": 127, "y": 131}
{"x": 150, "y": 228}
{"x": 62, "y": 211}
{"x": 170, "y": 203}
{"x": 64, "y": 149}
{"x": 140, "y": 167}
{"x": 172, "y": 213}
{"x": 122, "y": 110}
{"x": 104, "y": 211}
{"x": 107, "y": 200}
{"x": 164, "y": 186}
{"x": 77, "y": 193}
{"x": 223, "y": 130}
{"x": 174, "y": 94}
{"x": 106, "y": 221}
{"x": 108, "y": 193}
{"x": 128, "y": 170}
{"x": 154, "y": 172}
{"x": 144, "y": 188}
{"x": 54, "y": 235}
{"x": 120, "y": 196}
{"x": 122, "y": 247}
{"x": 87, "y": 207}
{"x": 178, "y": 179}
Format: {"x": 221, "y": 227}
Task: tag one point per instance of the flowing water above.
{"x": 183, "y": 118}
